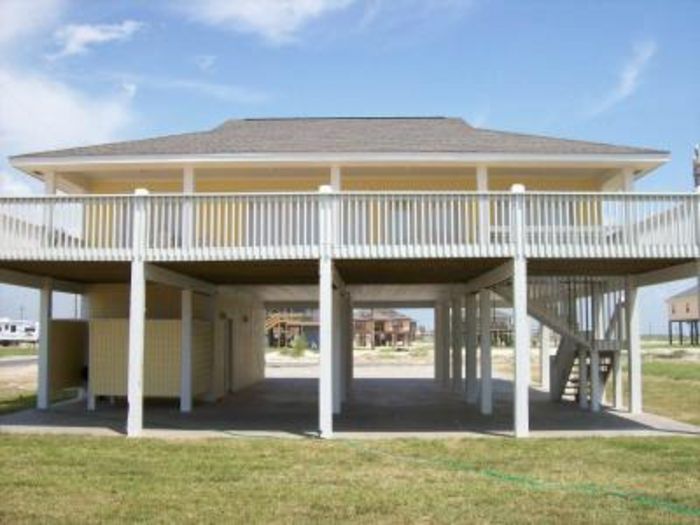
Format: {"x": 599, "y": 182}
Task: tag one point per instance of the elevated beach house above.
{"x": 179, "y": 243}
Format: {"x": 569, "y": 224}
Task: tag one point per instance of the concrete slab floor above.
{"x": 388, "y": 401}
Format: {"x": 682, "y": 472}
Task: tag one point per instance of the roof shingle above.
{"x": 344, "y": 135}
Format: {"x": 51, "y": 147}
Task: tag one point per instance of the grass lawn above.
{"x": 77, "y": 479}
{"x": 672, "y": 388}
{"x": 12, "y": 351}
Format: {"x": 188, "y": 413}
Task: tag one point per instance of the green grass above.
{"x": 74, "y": 479}
{"x": 672, "y": 388}
{"x": 12, "y": 401}
{"x": 12, "y": 351}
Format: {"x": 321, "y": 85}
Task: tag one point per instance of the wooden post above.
{"x": 545, "y": 335}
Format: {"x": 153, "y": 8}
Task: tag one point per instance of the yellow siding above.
{"x": 111, "y": 301}
{"x": 109, "y": 357}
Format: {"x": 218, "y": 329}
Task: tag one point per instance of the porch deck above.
{"x": 387, "y": 401}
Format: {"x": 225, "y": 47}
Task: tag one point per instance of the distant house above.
{"x": 383, "y": 327}
{"x": 683, "y": 311}
{"x": 283, "y": 326}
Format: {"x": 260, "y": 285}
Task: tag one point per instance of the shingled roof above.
{"x": 344, "y": 135}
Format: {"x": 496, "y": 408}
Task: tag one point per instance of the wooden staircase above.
{"x": 572, "y": 386}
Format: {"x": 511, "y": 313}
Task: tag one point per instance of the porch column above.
{"x": 521, "y": 330}
{"x": 634, "y": 347}
{"x": 545, "y": 337}
{"x": 43, "y": 398}
{"x": 325, "y": 376}
{"x": 598, "y": 336}
{"x": 137, "y": 313}
{"x": 442, "y": 341}
{"x": 338, "y": 367}
{"x": 349, "y": 344}
{"x": 186, "y": 351}
{"x": 486, "y": 393}
{"x": 437, "y": 356}
{"x": 471, "y": 375}
{"x": 618, "y": 402}
{"x": 457, "y": 327}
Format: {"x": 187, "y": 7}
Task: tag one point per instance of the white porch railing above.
{"x": 363, "y": 225}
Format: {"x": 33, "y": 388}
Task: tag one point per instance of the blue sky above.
{"x": 87, "y": 71}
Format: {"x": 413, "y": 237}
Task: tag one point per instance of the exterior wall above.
{"x": 366, "y": 178}
{"x": 109, "y": 357}
{"x": 244, "y": 364}
{"x": 111, "y": 301}
{"x": 683, "y": 308}
{"x": 67, "y": 353}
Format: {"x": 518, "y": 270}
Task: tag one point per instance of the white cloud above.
{"x": 76, "y": 39}
{"x": 628, "y": 77}
{"x": 21, "y": 18}
{"x": 277, "y": 21}
{"x": 38, "y": 112}
{"x": 205, "y": 62}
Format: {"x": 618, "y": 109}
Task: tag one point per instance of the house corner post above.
{"x": 471, "y": 374}
{"x": 545, "y": 336}
{"x": 137, "y": 313}
{"x": 457, "y": 345}
{"x": 486, "y": 383}
{"x": 325, "y": 377}
{"x": 43, "y": 398}
{"x": 520, "y": 322}
{"x": 186, "y": 330}
{"x": 633, "y": 347}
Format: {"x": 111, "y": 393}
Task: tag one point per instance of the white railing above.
{"x": 361, "y": 225}
{"x": 86, "y": 227}
{"x": 609, "y": 225}
{"x": 233, "y": 226}
{"x": 423, "y": 225}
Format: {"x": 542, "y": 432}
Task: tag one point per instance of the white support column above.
{"x": 596, "y": 393}
{"x": 520, "y": 321}
{"x": 437, "y": 355}
{"x": 447, "y": 344}
{"x": 186, "y": 351}
{"x": 470, "y": 374}
{"x": 583, "y": 378}
{"x": 137, "y": 323}
{"x": 325, "y": 376}
{"x": 617, "y": 381}
{"x": 486, "y": 393}
{"x": 457, "y": 327}
{"x": 598, "y": 336}
{"x": 337, "y": 353}
{"x": 349, "y": 322}
{"x": 43, "y": 398}
{"x": 545, "y": 337}
{"x": 634, "y": 347}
